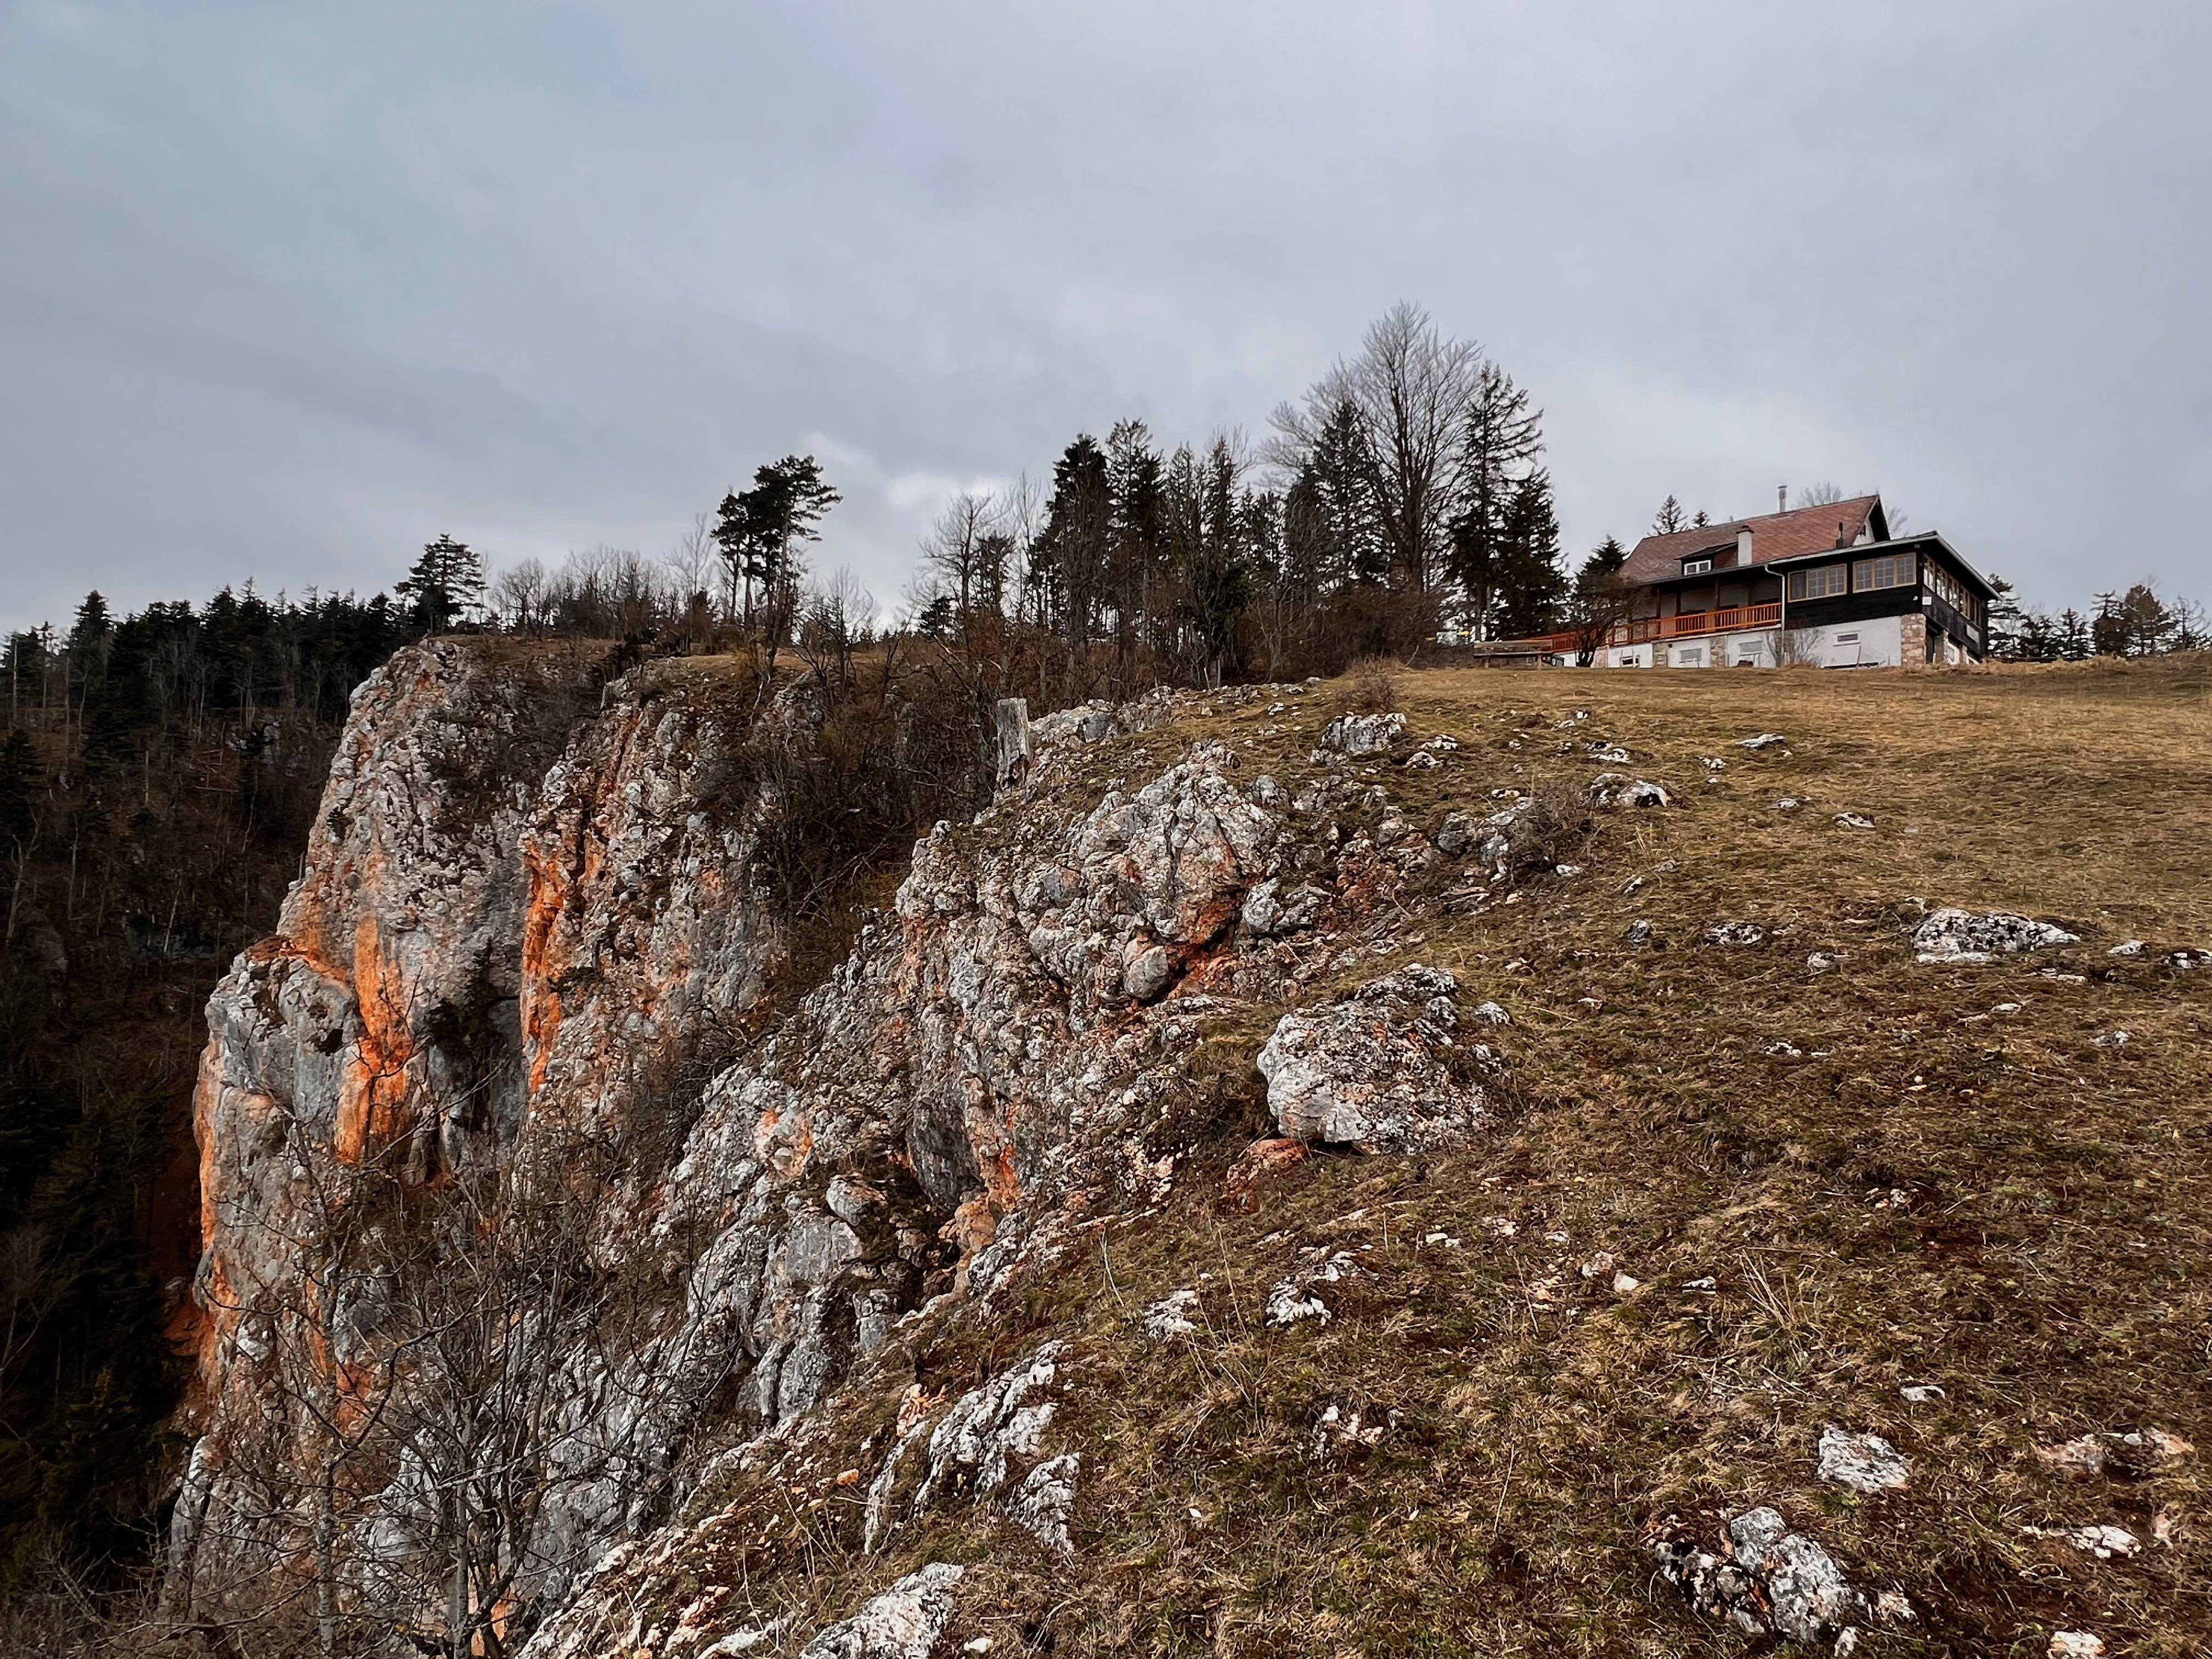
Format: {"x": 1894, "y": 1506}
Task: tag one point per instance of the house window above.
{"x": 1847, "y": 639}
{"x": 1949, "y": 589}
{"x": 1890, "y": 570}
{"x": 1694, "y": 658}
{"x": 1824, "y": 583}
{"x": 1696, "y": 566}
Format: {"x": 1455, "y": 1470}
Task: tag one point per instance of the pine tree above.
{"x": 1669, "y": 518}
{"x": 444, "y": 586}
{"x": 1216, "y": 575}
{"x": 1336, "y": 537}
{"x": 89, "y": 634}
{"x": 1136, "y": 569}
{"x": 761, "y": 530}
{"x": 2037, "y": 640}
{"x": 2108, "y": 635}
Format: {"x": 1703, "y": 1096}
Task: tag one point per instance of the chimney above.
{"x": 1743, "y": 547}
{"x": 1782, "y": 498}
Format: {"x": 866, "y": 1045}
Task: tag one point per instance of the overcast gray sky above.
{"x": 287, "y": 290}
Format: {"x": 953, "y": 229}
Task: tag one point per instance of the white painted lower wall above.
{"x": 1878, "y": 642}
{"x": 1875, "y": 642}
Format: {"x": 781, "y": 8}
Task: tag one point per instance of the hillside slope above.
{"x": 1638, "y": 1170}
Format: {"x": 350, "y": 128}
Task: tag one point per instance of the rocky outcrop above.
{"x": 1379, "y": 1071}
{"x": 513, "y": 990}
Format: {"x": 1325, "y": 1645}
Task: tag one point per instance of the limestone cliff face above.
{"x": 526, "y": 919}
{"x": 519, "y": 908}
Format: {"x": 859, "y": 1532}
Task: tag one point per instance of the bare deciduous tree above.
{"x": 1411, "y": 389}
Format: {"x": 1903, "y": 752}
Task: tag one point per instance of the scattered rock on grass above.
{"x": 903, "y": 1622}
{"x": 2127, "y": 947}
{"x": 2164, "y": 1447}
{"x": 1763, "y": 740}
{"x": 2082, "y": 1458}
{"x": 1363, "y": 734}
{"x": 1644, "y": 792}
{"x": 1455, "y": 835}
{"x": 1920, "y": 1393}
{"x": 1763, "y": 1578}
{"x": 1954, "y": 935}
{"x": 2105, "y": 1543}
{"x": 1820, "y": 961}
{"x": 1336, "y": 1432}
{"x": 1293, "y": 1299}
{"x": 1171, "y": 1316}
{"x": 1733, "y": 933}
{"x": 1864, "y": 1462}
{"x": 1043, "y": 1502}
{"x": 2076, "y": 1644}
{"x": 1853, "y": 820}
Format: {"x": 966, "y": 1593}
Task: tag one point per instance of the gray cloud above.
{"x": 286, "y": 294}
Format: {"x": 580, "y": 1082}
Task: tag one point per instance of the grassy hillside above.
{"x": 1730, "y": 1197}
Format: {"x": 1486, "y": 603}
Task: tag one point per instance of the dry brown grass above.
{"x": 1885, "y": 1179}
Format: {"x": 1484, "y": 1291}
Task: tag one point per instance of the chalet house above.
{"x": 1821, "y": 585}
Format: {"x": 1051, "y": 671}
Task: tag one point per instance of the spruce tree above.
{"x": 1529, "y": 584}
{"x": 1604, "y": 560}
{"x": 1504, "y": 435}
{"x": 2006, "y": 621}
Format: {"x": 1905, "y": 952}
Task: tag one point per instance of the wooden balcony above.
{"x": 1642, "y": 629}
{"x": 1726, "y": 620}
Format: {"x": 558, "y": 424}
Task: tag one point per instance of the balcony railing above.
{"x": 1641, "y": 630}
{"x": 1727, "y": 620}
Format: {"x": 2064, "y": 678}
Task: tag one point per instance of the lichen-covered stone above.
{"x": 1763, "y": 1578}
{"x": 903, "y": 1622}
{"x": 1964, "y": 936}
{"x": 1373, "y": 1070}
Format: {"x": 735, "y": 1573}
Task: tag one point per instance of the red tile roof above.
{"x": 1774, "y": 536}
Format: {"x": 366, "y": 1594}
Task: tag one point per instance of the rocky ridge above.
{"x": 1170, "y": 933}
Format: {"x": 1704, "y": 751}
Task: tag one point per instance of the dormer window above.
{"x": 1696, "y": 566}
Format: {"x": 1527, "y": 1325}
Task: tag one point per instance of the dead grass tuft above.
{"x": 1369, "y": 686}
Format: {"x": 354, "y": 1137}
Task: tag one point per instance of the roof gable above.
{"x": 1773, "y": 536}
